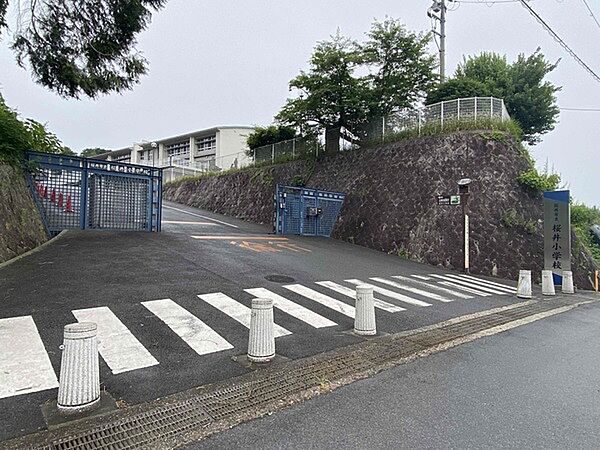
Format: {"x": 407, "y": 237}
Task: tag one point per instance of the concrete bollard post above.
{"x": 547, "y": 283}
{"x": 261, "y": 343}
{"x": 524, "y": 284}
{"x": 364, "y": 320}
{"x": 79, "y": 388}
{"x": 567, "y": 282}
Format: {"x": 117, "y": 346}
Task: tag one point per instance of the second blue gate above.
{"x": 307, "y": 212}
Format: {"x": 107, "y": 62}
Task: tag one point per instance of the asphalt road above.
{"x": 128, "y": 277}
{"x": 536, "y": 386}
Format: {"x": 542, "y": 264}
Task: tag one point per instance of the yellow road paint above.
{"x": 258, "y": 247}
{"x": 294, "y": 248}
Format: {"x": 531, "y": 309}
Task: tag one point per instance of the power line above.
{"x": 581, "y": 109}
{"x": 559, "y": 40}
{"x": 591, "y": 12}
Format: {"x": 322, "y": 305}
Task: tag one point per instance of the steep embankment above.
{"x": 21, "y": 228}
{"x": 391, "y": 201}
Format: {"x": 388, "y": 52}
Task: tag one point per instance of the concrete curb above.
{"x": 34, "y": 250}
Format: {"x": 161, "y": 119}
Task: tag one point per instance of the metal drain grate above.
{"x": 188, "y": 412}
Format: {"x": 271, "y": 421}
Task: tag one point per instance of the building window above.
{"x": 178, "y": 149}
{"x": 206, "y": 143}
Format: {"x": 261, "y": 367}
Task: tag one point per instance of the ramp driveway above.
{"x": 173, "y": 308}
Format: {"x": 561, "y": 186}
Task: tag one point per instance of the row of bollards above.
{"x": 524, "y": 283}
{"x": 79, "y": 387}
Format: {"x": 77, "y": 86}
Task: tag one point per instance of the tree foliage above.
{"x": 91, "y": 152}
{"x": 350, "y": 83}
{"x": 529, "y": 99}
{"x": 84, "y": 47}
{"x": 17, "y": 136}
{"x": 272, "y": 134}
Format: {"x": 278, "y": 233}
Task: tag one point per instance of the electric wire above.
{"x": 591, "y": 12}
{"x": 557, "y": 38}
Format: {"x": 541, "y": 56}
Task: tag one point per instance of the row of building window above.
{"x": 183, "y": 147}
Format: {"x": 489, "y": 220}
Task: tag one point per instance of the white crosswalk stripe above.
{"x": 389, "y": 307}
{"x": 434, "y": 286}
{"x": 199, "y": 336}
{"x": 482, "y": 285}
{"x": 391, "y": 294}
{"x": 323, "y": 299}
{"x": 464, "y": 288}
{"x": 237, "y": 311}
{"x": 469, "y": 284}
{"x": 293, "y": 309}
{"x": 489, "y": 283}
{"x": 414, "y": 290}
{"x": 421, "y": 277}
{"x": 24, "y": 363}
{"x": 118, "y": 347}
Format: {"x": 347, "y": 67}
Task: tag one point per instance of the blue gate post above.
{"x": 83, "y": 195}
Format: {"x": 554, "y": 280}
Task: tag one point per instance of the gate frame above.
{"x": 280, "y": 195}
{"x": 87, "y": 166}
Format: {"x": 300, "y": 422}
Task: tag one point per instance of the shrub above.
{"x": 582, "y": 218}
{"x": 539, "y": 182}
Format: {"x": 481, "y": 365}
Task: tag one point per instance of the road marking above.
{"x": 433, "y": 286}
{"x": 258, "y": 247}
{"x": 469, "y": 284}
{"x": 240, "y": 237}
{"x": 236, "y": 311}
{"x": 352, "y": 294}
{"x": 24, "y": 364}
{"x": 201, "y": 216}
{"x": 487, "y": 282}
{"x": 323, "y": 299}
{"x": 293, "y": 309}
{"x": 421, "y": 277}
{"x": 181, "y": 222}
{"x": 294, "y": 247}
{"x": 463, "y": 288}
{"x": 417, "y": 291}
{"x": 199, "y": 336}
{"x": 392, "y": 294}
{"x": 118, "y": 347}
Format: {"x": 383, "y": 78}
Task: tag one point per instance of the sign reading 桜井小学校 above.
{"x": 557, "y": 233}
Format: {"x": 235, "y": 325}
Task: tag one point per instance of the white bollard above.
{"x": 567, "y": 282}
{"x": 79, "y": 388}
{"x": 261, "y": 345}
{"x": 547, "y": 283}
{"x": 524, "y": 284}
{"x": 364, "y": 320}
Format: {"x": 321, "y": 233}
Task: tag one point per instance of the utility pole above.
{"x": 439, "y": 7}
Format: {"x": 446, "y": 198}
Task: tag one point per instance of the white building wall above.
{"x": 231, "y": 147}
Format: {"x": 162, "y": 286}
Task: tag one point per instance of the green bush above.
{"x": 539, "y": 182}
{"x": 512, "y": 219}
{"x": 582, "y": 218}
{"x": 14, "y": 137}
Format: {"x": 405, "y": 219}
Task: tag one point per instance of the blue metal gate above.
{"x": 307, "y": 212}
{"x": 74, "y": 192}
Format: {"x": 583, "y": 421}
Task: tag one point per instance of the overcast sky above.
{"x": 225, "y": 62}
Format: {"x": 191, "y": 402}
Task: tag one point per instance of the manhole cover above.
{"x": 280, "y": 278}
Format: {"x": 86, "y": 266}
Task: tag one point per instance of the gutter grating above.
{"x": 188, "y": 412}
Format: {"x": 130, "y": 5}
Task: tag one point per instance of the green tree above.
{"x": 42, "y": 140}
{"x": 529, "y": 99}
{"x": 14, "y": 137}
{"x": 348, "y": 84}
{"x": 84, "y": 47}
{"x": 402, "y": 70}
{"x": 91, "y": 152}
{"x": 272, "y": 134}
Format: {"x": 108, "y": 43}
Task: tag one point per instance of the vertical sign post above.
{"x": 557, "y": 233}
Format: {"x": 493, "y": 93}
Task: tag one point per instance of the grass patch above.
{"x": 512, "y": 219}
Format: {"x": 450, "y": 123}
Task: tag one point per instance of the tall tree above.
{"x": 84, "y": 47}
{"x": 348, "y": 84}
{"x": 91, "y": 152}
{"x": 529, "y": 99}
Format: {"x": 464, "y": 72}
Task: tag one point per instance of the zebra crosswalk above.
{"x": 25, "y": 365}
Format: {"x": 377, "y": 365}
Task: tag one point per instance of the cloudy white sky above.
{"x": 225, "y": 62}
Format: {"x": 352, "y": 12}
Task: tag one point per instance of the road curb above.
{"x": 34, "y": 250}
{"x": 195, "y": 414}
